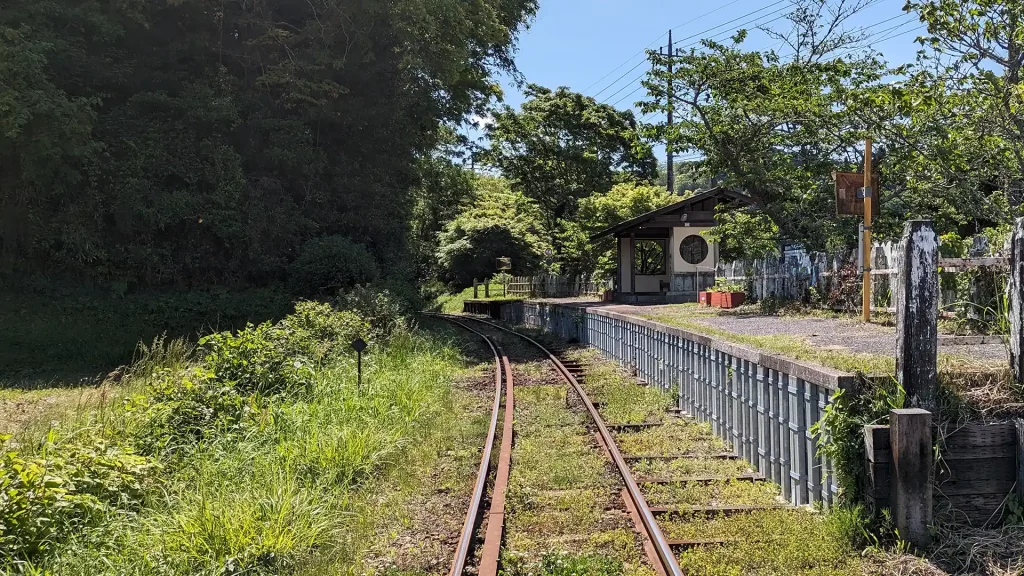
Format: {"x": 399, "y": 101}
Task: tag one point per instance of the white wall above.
{"x": 680, "y": 266}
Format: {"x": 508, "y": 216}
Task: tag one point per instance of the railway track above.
{"x": 490, "y": 553}
{"x": 690, "y": 498}
{"x": 658, "y": 548}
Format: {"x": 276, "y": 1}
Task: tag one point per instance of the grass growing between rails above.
{"x": 769, "y": 542}
{"x": 253, "y": 454}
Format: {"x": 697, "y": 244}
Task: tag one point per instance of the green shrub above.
{"x": 385, "y": 312}
{"x": 64, "y": 489}
{"x": 334, "y": 262}
{"x": 318, "y": 332}
{"x": 180, "y": 410}
{"x": 262, "y": 359}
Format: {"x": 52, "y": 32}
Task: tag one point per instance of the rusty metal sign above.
{"x": 848, "y": 201}
{"x": 504, "y": 264}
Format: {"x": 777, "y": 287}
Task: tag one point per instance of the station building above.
{"x": 663, "y": 256}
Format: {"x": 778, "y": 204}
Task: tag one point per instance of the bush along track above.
{"x": 563, "y": 511}
{"x": 257, "y": 454}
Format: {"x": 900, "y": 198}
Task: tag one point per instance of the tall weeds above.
{"x": 250, "y": 468}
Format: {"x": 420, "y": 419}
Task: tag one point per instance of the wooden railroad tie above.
{"x": 680, "y": 456}
{"x": 702, "y": 479}
{"x": 725, "y": 510}
{"x": 641, "y": 426}
{"x": 695, "y": 543}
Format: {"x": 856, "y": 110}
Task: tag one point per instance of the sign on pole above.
{"x": 359, "y": 345}
{"x": 850, "y": 195}
{"x": 504, "y": 264}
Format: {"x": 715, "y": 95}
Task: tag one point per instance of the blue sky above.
{"x": 592, "y": 45}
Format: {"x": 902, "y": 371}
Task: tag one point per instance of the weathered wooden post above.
{"x": 1015, "y": 295}
{"x": 917, "y": 313}
{"x": 1019, "y": 424}
{"x": 476, "y": 289}
{"x": 487, "y": 288}
{"x": 913, "y": 471}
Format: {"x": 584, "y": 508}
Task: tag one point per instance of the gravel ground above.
{"x": 826, "y": 333}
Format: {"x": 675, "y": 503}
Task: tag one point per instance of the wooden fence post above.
{"x": 1015, "y": 292}
{"x": 1019, "y": 423}
{"x": 487, "y": 288}
{"x": 917, "y": 313}
{"x": 913, "y": 471}
{"x": 476, "y": 289}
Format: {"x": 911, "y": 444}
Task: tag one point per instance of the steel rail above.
{"x": 654, "y": 533}
{"x": 469, "y": 526}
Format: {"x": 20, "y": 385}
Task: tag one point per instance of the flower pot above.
{"x": 704, "y": 298}
{"x": 716, "y": 299}
{"x": 731, "y": 299}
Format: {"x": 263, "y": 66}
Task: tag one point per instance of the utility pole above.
{"x": 668, "y": 141}
{"x": 868, "y": 193}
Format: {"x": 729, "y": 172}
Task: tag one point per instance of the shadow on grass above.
{"x": 58, "y": 333}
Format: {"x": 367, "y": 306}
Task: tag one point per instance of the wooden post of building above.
{"x": 476, "y": 289}
{"x": 1015, "y": 295}
{"x": 913, "y": 471}
{"x": 917, "y": 313}
{"x": 632, "y": 264}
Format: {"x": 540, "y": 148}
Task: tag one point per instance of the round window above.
{"x": 693, "y": 249}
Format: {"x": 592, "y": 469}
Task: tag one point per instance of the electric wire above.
{"x": 641, "y": 63}
{"x": 652, "y": 43}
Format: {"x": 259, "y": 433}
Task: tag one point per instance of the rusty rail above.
{"x": 662, "y": 547}
{"x": 491, "y": 548}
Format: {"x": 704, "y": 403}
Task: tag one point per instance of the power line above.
{"x": 653, "y": 42}
{"x": 869, "y": 27}
{"x": 863, "y": 28}
{"x": 718, "y": 36}
{"x": 641, "y": 63}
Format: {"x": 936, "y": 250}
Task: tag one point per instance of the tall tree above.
{"x": 562, "y": 146}
{"x": 212, "y": 140}
{"x": 775, "y": 126}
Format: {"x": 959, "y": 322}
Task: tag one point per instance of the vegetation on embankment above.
{"x": 452, "y": 303}
{"x": 254, "y": 453}
{"x": 58, "y": 328}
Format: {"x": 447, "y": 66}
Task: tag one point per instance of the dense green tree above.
{"x": 775, "y": 127}
{"x": 580, "y": 254}
{"x": 562, "y": 146}
{"x": 501, "y": 223}
{"x": 209, "y": 141}
{"x": 445, "y": 189}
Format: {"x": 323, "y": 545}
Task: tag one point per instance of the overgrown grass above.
{"x": 772, "y": 542}
{"x": 560, "y": 495}
{"x": 775, "y": 542}
{"x": 452, "y": 303}
{"x": 622, "y": 401}
{"x": 280, "y": 470}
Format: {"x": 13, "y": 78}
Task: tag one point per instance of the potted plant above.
{"x": 704, "y": 298}
{"x": 725, "y": 294}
